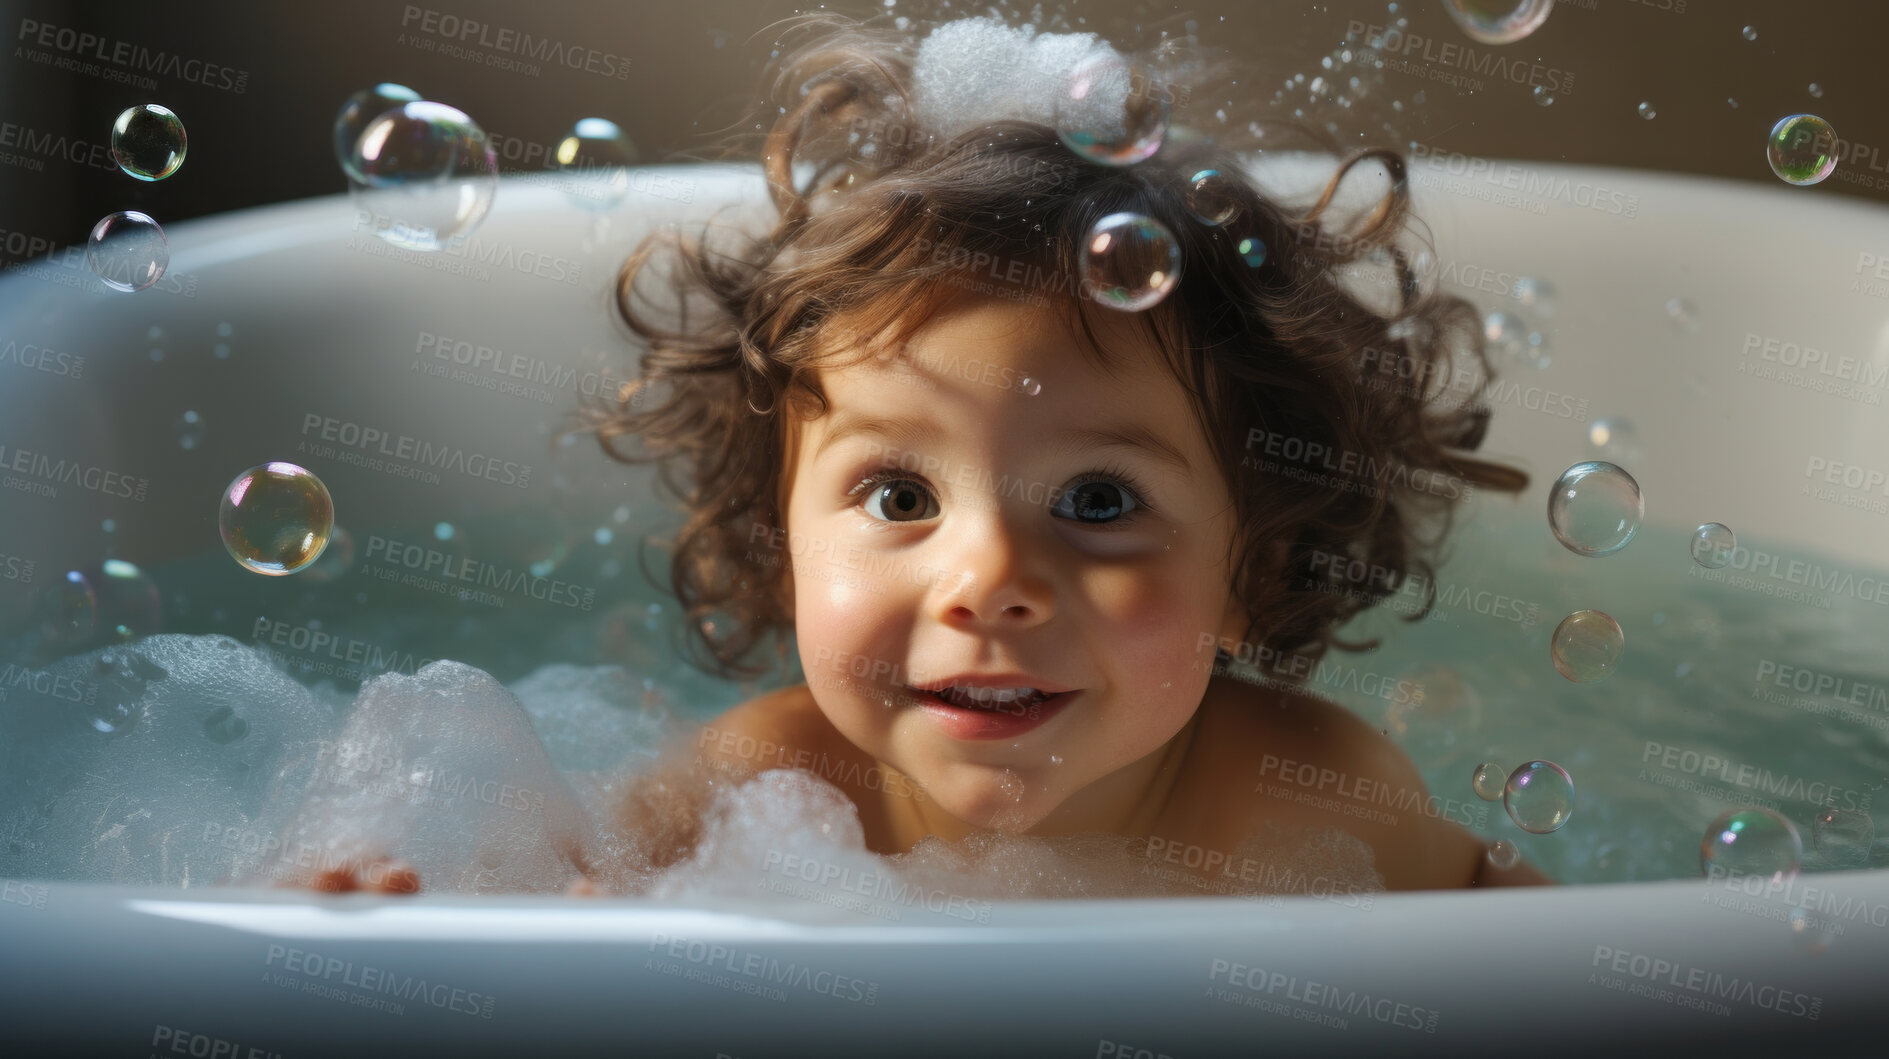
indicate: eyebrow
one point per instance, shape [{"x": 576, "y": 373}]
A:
[{"x": 911, "y": 430}]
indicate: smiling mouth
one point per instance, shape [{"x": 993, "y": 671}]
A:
[{"x": 1020, "y": 701}]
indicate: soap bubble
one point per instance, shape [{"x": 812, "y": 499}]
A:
[
  {"x": 1749, "y": 32},
  {"x": 1252, "y": 251},
  {"x": 1498, "y": 21},
  {"x": 1758, "y": 843},
  {"x": 1503, "y": 855},
  {"x": 1843, "y": 836},
  {"x": 1129, "y": 262},
  {"x": 362, "y": 107},
  {"x": 1543, "y": 97},
  {"x": 1802, "y": 149},
  {"x": 128, "y": 251},
  {"x": 148, "y": 142},
  {"x": 1586, "y": 646},
  {"x": 276, "y": 518},
  {"x": 1684, "y": 315},
  {"x": 1712, "y": 545},
  {"x": 1539, "y": 797},
  {"x": 1536, "y": 293},
  {"x": 1487, "y": 781},
  {"x": 1647, "y": 111},
  {"x": 1816, "y": 90},
  {"x": 1810, "y": 933},
  {"x": 429, "y": 175},
  {"x": 1614, "y": 439},
  {"x": 1507, "y": 335},
  {"x": 592, "y": 159},
  {"x": 1212, "y": 197},
  {"x": 129, "y": 605},
  {"x": 1595, "y": 508},
  {"x": 1111, "y": 112},
  {"x": 67, "y": 612},
  {"x": 189, "y": 430}
]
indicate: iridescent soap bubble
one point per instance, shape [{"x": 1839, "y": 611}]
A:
[
  {"x": 351, "y": 120},
  {"x": 1802, "y": 149},
  {"x": 148, "y": 142},
  {"x": 1543, "y": 97},
  {"x": 1212, "y": 197},
  {"x": 1129, "y": 262},
  {"x": 129, "y": 605},
  {"x": 1843, "y": 837},
  {"x": 1586, "y": 646},
  {"x": 1595, "y": 508},
  {"x": 128, "y": 251},
  {"x": 1749, "y": 33},
  {"x": 593, "y": 160},
  {"x": 67, "y": 612},
  {"x": 1539, "y": 797},
  {"x": 1503, "y": 855},
  {"x": 1816, "y": 90},
  {"x": 276, "y": 518},
  {"x": 1712, "y": 545},
  {"x": 1252, "y": 251},
  {"x": 1488, "y": 780},
  {"x": 1498, "y": 21},
  {"x": 1647, "y": 111},
  {"x": 428, "y": 175},
  {"x": 1110, "y": 112},
  {"x": 1752, "y": 843},
  {"x": 189, "y": 430}
]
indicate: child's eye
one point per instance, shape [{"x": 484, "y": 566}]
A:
[
  {"x": 900, "y": 499},
  {"x": 1099, "y": 500}
]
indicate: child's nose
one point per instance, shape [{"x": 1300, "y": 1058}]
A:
[{"x": 1000, "y": 578}]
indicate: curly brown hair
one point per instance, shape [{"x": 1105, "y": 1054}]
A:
[{"x": 881, "y": 221}]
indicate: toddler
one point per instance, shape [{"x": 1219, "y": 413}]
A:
[{"x": 1018, "y": 515}]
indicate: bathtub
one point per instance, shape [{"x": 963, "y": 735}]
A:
[{"x": 273, "y": 322}]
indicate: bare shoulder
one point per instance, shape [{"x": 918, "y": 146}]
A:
[
  {"x": 1309, "y": 762},
  {"x": 773, "y": 730}
]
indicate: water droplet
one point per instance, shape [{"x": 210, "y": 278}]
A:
[
  {"x": 1498, "y": 21},
  {"x": 1129, "y": 262},
  {"x": 1802, "y": 149},
  {"x": 1647, "y": 111},
  {"x": 1756, "y": 843},
  {"x": 1749, "y": 33},
  {"x": 1055, "y": 759},
  {"x": 1539, "y": 797},
  {"x": 1503, "y": 855},
  {"x": 1595, "y": 508},
  {"x": 276, "y": 518},
  {"x": 128, "y": 251},
  {"x": 1586, "y": 646},
  {"x": 1816, "y": 90},
  {"x": 1543, "y": 97},
  {"x": 1030, "y": 387},
  {"x": 1111, "y": 112},
  {"x": 1488, "y": 781},
  {"x": 1712, "y": 545},
  {"x": 1810, "y": 932},
  {"x": 148, "y": 141}
]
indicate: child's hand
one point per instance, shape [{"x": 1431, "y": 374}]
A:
[{"x": 381, "y": 875}]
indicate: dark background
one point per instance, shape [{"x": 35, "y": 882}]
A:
[{"x": 694, "y": 66}]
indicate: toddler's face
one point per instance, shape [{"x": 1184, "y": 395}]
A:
[{"x": 990, "y": 531}]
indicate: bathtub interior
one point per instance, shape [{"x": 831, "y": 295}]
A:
[{"x": 292, "y": 334}]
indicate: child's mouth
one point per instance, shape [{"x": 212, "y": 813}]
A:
[{"x": 989, "y": 713}]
